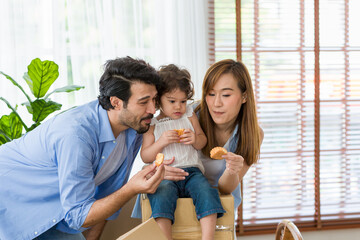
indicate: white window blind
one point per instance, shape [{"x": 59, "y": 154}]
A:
[{"x": 304, "y": 59}]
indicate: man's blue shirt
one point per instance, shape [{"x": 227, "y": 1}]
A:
[{"x": 47, "y": 176}]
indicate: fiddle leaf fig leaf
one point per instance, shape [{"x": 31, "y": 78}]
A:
[
  {"x": 29, "y": 81},
  {"x": 40, "y": 76},
  {"x": 42, "y": 109},
  {"x": 11, "y": 126},
  {"x": 69, "y": 88},
  {"x": 3, "y": 139},
  {"x": 28, "y": 107}
]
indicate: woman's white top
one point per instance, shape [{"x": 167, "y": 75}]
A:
[{"x": 185, "y": 155}]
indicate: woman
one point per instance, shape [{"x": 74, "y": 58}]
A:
[{"x": 227, "y": 114}]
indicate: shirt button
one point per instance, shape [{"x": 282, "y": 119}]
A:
[
  {"x": 54, "y": 220},
  {"x": 114, "y": 141},
  {"x": 35, "y": 233},
  {"x": 102, "y": 157}
]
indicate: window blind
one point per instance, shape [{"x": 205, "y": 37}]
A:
[{"x": 304, "y": 59}]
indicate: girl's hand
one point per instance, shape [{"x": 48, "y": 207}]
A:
[
  {"x": 188, "y": 137},
  {"x": 234, "y": 163},
  {"x": 169, "y": 137}
]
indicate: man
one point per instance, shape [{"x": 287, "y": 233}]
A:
[{"x": 71, "y": 173}]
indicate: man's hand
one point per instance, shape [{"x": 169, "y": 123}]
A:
[
  {"x": 148, "y": 179},
  {"x": 171, "y": 173},
  {"x": 105, "y": 207}
]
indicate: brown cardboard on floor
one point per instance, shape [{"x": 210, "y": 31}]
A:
[
  {"x": 186, "y": 225},
  {"x": 148, "y": 230}
]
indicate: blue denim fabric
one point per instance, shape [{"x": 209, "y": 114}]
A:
[
  {"x": 53, "y": 234},
  {"x": 205, "y": 198}
]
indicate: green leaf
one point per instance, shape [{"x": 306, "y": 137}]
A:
[
  {"x": 69, "y": 88},
  {"x": 40, "y": 76},
  {"x": 3, "y": 139},
  {"x": 16, "y": 84},
  {"x": 28, "y": 106},
  {"x": 11, "y": 126},
  {"x": 42, "y": 109},
  {"x": 14, "y": 111},
  {"x": 28, "y": 81}
]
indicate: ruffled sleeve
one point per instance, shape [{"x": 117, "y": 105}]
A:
[
  {"x": 189, "y": 111},
  {"x": 153, "y": 121}
]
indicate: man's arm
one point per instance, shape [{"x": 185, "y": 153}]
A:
[
  {"x": 107, "y": 206},
  {"x": 94, "y": 233}
]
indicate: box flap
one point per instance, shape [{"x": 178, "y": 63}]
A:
[{"x": 148, "y": 230}]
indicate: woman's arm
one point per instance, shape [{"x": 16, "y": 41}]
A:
[
  {"x": 230, "y": 179},
  {"x": 236, "y": 168}
]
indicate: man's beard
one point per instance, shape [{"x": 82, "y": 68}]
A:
[
  {"x": 142, "y": 129},
  {"x": 136, "y": 125}
]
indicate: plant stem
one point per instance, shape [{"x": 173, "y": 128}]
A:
[{"x": 16, "y": 84}]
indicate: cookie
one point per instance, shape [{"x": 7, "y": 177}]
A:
[
  {"x": 159, "y": 159},
  {"x": 179, "y": 131},
  {"x": 217, "y": 152}
]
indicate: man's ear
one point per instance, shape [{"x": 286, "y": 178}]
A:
[
  {"x": 244, "y": 97},
  {"x": 116, "y": 102}
]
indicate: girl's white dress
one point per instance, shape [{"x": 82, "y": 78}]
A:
[{"x": 185, "y": 155}]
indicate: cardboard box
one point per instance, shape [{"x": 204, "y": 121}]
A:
[
  {"x": 148, "y": 230},
  {"x": 186, "y": 225}
]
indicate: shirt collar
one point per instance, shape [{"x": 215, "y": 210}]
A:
[
  {"x": 130, "y": 136},
  {"x": 106, "y": 133},
  {"x": 235, "y": 130}
]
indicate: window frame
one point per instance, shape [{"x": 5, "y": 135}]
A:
[{"x": 319, "y": 220}]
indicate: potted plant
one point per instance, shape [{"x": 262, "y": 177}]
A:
[{"x": 39, "y": 77}]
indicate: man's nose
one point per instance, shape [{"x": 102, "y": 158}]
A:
[{"x": 151, "y": 108}]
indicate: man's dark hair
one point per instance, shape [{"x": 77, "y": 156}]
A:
[{"x": 120, "y": 74}]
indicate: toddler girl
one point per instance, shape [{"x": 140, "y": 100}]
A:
[{"x": 176, "y": 88}]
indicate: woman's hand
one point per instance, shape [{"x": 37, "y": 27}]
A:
[
  {"x": 234, "y": 163},
  {"x": 234, "y": 172},
  {"x": 188, "y": 137}
]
